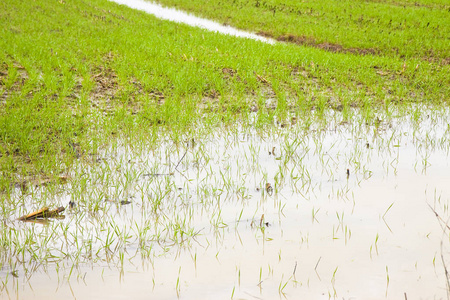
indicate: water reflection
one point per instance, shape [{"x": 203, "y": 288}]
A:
[
  {"x": 175, "y": 15},
  {"x": 249, "y": 211}
]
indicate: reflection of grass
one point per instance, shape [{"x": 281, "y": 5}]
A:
[
  {"x": 76, "y": 74},
  {"x": 189, "y": 198}
]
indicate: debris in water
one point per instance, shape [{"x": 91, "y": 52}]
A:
[
  {"x": 272, "y": 152},
  {"x": 269, "y": 189},
  {"x": 43, "y": 213},
  {"x": 121, "y": 202}
]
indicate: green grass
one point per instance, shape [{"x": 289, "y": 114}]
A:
[
  {"x": 75, "y": 74},
  {"x": 400, "y": 28}
]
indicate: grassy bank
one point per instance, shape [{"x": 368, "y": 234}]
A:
[
  {"x": 400, "y": 28},
  {"x": 75, "y": 73}
]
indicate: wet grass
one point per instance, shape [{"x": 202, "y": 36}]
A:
[
  {"x": 399, "y": 28},
  {"x": 83, "y": 73}
]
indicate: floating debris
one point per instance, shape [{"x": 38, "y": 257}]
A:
[
  {"x": 44, "y": 213},
  {"x": 272, "y": 152},
  {"x": 269, "y": 189},
  {"x": 262, "y": 222},
  {"x": 121, "y": 202},
  {"x": 72, "y": 204}
]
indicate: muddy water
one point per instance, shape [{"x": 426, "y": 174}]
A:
[
  {"x": 212, "y": 230},
  {"x": 178, "y": 16}
]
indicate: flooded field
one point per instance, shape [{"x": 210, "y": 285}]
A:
[{"x": 315, "y": 207}]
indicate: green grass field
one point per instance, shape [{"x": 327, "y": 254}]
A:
[
  {"x": 403, "y": 28},
  {"x": 74, "y": 74}
]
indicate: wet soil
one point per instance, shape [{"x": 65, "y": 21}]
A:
[{"x": 309, "y": 41}]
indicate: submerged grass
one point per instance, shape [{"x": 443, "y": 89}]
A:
[
  {"x": 176, "y": 200},
  {"x": 75, "y": 74}
]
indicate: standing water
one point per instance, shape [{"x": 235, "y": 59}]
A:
[
  {"x": 318, "y": 208},
  {"x": 175, "y": 15}
]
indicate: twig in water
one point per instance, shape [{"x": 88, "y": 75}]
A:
[
  {"x": 446, "y": 273},
  {"x": 439, "y": 217},
  {"x": 444, "y": 225},
  {"x": 168, "y": 174},
  {"x": 317, "y": 263},
  {"x": 181, "y": 159},
  {"x": 315, "y": 268}
]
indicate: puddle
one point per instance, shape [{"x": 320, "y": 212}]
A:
[
  {"x": 201, "y": 224},
  {"x": 178, "y": 16}
]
